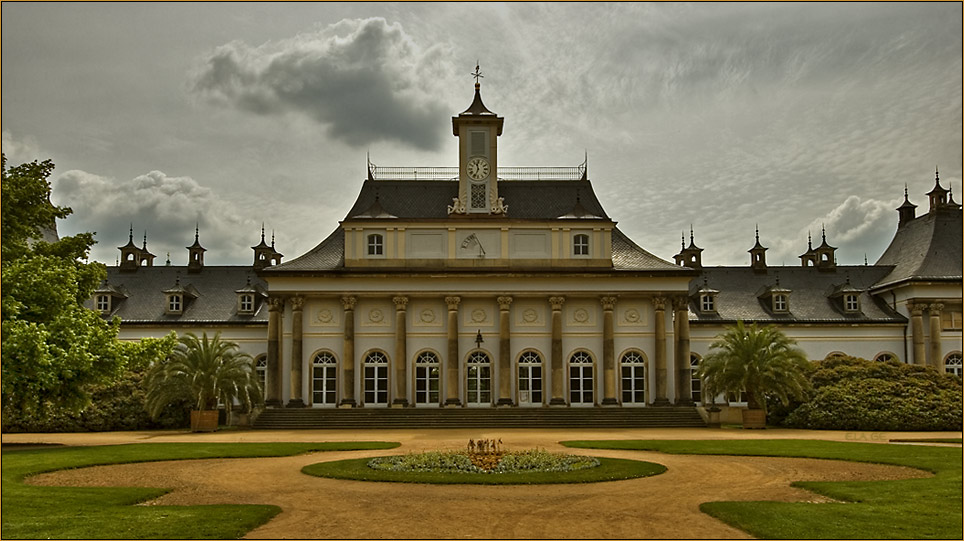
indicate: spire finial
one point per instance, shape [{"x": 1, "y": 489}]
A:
[
  {"x": 809, "y": 241},
  {"x": 823, "y": 233},
  {"x": 197, "y": 231},
  {"x": 691, "y": 233},
  {"x": 477, "y": 74},
  {"x": 937, "y": 175},
  {"x": 757, "y": 233},
  {"x": 145, "y": 240},
  {"x": 865, "y": 259},
  {"x": 682, "y": 240},
  {"x": 168, "y": 262},
  {"x": 131, "y": 237},
  {"x": 905, "y": 191},
  {"x": 262, "y": 231},
  {"x": 272, "y": 239}
]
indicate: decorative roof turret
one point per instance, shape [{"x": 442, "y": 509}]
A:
[
  {"x": 758, "y": 254},
  {"x": 130, "y": 254},
  {"x": 146, "y": 257},
  {"x": 264, "y": 255},
  {"x": 689, "y": 256},
  {"x": 907, "y": 211},
  {"x": 195, "y": 253},
  {"x": 825, "y": 253},
  {"x": 809, "y": 258},
  {"x": 938, "y": 196}
]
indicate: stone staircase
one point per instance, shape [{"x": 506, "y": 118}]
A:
[{"x": 368, "y": 418}]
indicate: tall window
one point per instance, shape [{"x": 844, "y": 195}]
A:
[
  {"x": 479, "y": 384},
  {"x": 174, "y": 303},
  {"x": 953, "y": 364},
  {"x": 580, "y": 378},
  {"x": 376, "y": 378},
  {"x": 427, "y": 378},
  {"x": 707, "y": 303},
  {"x": 530, "y": 378},
  {"x": 633, "y": 378},
  {"x": 780, "y": 303},
  {"x": 261, "y": 369},
  {"x": 850, "y": 303},
  {"x": 580, "y": 245},
  {"x": 103, "y": 303},
  {"x": 324, "y": 379},
  {"x": 376, "y": 244},
  {"x": 696, "y": 384}
]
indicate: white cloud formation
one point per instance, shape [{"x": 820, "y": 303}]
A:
[
  {"x": 18, "y": 151},
  {"x": 365, "y": 79},
  {"x": 166, "y": 207}
]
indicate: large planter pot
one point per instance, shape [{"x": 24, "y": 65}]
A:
[
  {"x": 754, "y": 418},
  {"x": 204, "y": 420}
]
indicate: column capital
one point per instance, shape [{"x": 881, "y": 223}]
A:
[
  {"x": 453, "y": 303},
  {"x": 275, "y": 303},
  {"x": 297, "y": 303},
  {"x": 504, "y": 302},
  {"x": 400, "y": 302},
  {"x": 659, "y": 303},
  {"x": 681, "y": 303},
  {"x": 917, "y": 309},
  {"x": 557, "y": 302},
  {"x": 936, "y": 307},
  {"x": 608, "y": 303},
  {"x": 348, "y": 302}
]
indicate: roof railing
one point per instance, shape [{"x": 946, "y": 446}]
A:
[{"x": 376, "y": 172}]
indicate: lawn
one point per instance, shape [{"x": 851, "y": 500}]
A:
[
  {"x": 927, "y": 508},
  {"x": 36, "y": 512},
  {"x": 609, "y": 469}
]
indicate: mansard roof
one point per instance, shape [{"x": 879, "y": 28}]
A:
[
  {"x": 812, "y": 301},
  {"x": 216, "y": 300},
  {"x": 925, "y": 249}
]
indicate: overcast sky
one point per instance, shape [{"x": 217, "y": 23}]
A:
[{"x": 719, "y": 115}]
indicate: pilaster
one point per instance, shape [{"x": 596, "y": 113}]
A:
[
  {"x": 348, "y": 354},
  {"x": 555, "y": 358},
  {"x": 401, "y": 353},
  {"x": 452, "y": 372},
  {"x": 609, "y": 355},
  {"x": 505, "y": 352}
]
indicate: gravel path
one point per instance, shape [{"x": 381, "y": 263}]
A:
[{"x": 664, "y": 506}]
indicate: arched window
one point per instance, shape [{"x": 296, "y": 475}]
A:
[
  {"x": 953, "y": 364},
  {"x": 580, "y": 244},
  {"x": 632, "y": 371},
  {"x": 835, "y": 355},
  {"x": 427, "y": 378},
  {"x": 261, "y": 369},
  {"x": 324, "y": 379},
  {"x": 580, "y": 379},
  {"x": 530, "y": 378},
  {"x": 885, "y": 356},
  {"x": 376, "y": 244},
  {"x": 376, "y": 378},
  {"x": 479, "y": 384},
  {"x": 696, "y": 384}
]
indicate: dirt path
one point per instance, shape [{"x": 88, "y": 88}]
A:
[{"x": 664, "y": 506}]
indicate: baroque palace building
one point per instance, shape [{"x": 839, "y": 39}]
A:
[{"x": 484, "y": 286}]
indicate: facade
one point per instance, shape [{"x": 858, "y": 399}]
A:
[{"x": 486, "y": 286}]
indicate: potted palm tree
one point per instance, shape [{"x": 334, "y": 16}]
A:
[
  {"x": 760, "y": 361},
  {"x": 207, "y": 371}
]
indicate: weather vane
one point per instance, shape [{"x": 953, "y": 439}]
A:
[{"x": 478, "y": 74}]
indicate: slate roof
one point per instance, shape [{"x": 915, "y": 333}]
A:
[
  {"x": 927, "y": 248},
  {"x": 812, "y": 299},
  {"x": 215, "y": 287},
  {"x": 428, "y": 200}
]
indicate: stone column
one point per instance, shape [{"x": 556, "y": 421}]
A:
[
  {"x": 401, "y": 353},
  {"x": 452, "y": 371},
  {"x": 505, "y": 353},
  {"x": 917, "y": 332},
  {"x": 609, "y": 354},
  {"x": 297, "y": 350},
  {"x": 684, "y": 373},
  {"x": 348, "y": 355},
  {"x": 555, "y": 357},
  {"x": 273, "y": 391},
  {"x": 936, "y": 353},
  {"x": 659, "y": 307}
]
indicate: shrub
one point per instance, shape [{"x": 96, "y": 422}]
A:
[{"x": 856, "y": 394}]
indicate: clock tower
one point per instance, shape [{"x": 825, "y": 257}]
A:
[{"x": 478, "y": 130}]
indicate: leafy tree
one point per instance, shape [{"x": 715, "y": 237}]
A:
[
  {"x": 763, "y": 362},
  {"x": 205, "y": 371},
  {"x": 54, "y": 349}
]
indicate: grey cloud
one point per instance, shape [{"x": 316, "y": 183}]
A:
[{"x": 365, "y": 80}]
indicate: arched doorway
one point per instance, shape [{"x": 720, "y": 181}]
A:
[
  {"x": 530, "y": 379},
  {"x": 580, "y": 379},
  {"x": 478, "y": 388},
  {"x": 376, "y": 379},
  {"x": 632, "y": 371},
  {"x": 427, "y": 370},
  {"x": 324, "y": 380}
]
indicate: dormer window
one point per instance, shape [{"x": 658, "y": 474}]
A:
[
  {"x": 851, "y": 303},
  {"x": 780, "y": 303},
  {"x": 102, "y": 303},
  {"x": 175, "y": 302},
  {"x": 707, "y": 303},
  {"x": 376, "y": 244},
  {"x": 580, "y": 245},
  {"x": 246, "y": 303}
]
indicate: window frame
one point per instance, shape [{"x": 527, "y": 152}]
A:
[
  {"x": 707, "y": 303},
  {"x": 102, "y": 302},
  {"x": 246, "y": 298},
  {"x": 851, "y": 303},
  {"x": 581, "y": 245},
  {"x": 781, "y": 302},
  {"x": 376, "y": 245},
  {"x": 175, "y": 303}
]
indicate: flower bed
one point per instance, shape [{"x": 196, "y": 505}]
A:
[{"x": 532, "y": 460}]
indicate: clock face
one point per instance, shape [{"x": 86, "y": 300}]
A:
[{"x": 477, "y": 168}]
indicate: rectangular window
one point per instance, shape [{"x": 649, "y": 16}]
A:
[
  {"x": 707, "y": 303},
  {"x": 103, "y": 303},
  {"x": 376, "y": 245},
  {"x": 779, "y": 303},
  {"x": 174, "y": 304},
  {"x": 477, "y": 143},
  {"x": 247, "y": 303},
  {"x": 580, "y": 245},
  {"x": 951, "y": 318},
  {"x": 850, "y": 303}
]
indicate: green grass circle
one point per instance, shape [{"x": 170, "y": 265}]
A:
[{"x": 609, "y": 469}]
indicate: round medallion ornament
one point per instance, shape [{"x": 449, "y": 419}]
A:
[
  {"x": 478, "y": 315},
  {"x": 324, "y": 316},
  {"x": 427, "y": 315},
  {"x": 375, "y": 315},
  {"x": 529, "y": 315},
  {"x": 581, "y": 315},
  {"x": 632, "y": 315}
]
